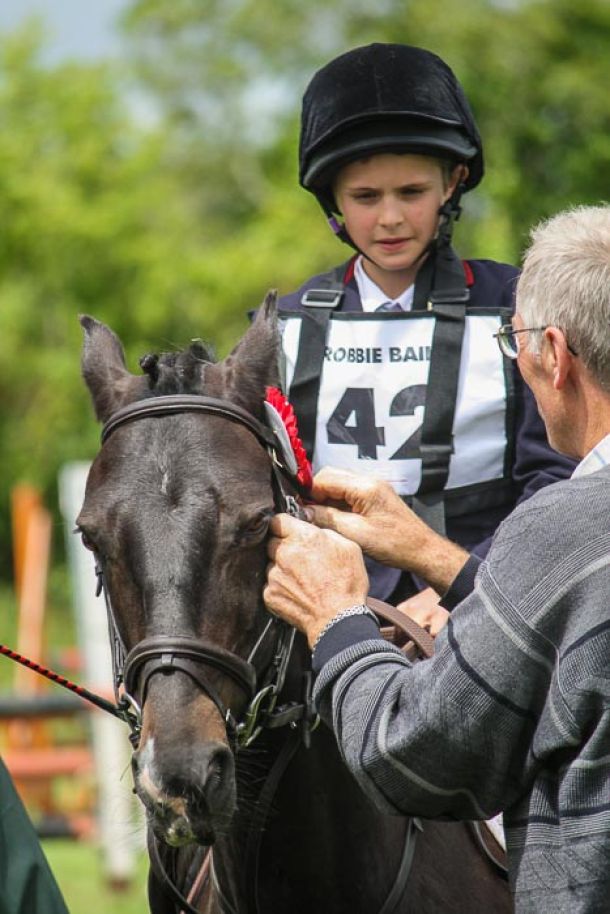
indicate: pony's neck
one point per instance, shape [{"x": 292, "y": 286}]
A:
[{"x": 292, "y": 834}]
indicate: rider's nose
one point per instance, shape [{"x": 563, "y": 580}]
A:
[{"x": 391, "y": 213}]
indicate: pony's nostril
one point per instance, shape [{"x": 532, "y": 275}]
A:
[{"x": 220, "y": 765}]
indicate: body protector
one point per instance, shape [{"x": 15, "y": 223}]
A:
[{"x": 422, "y": 398}]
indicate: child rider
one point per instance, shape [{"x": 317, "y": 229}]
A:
[{"x": 390, "y": 359}]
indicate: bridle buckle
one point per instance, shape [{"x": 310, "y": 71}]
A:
[{"x": 249, "y": 728}]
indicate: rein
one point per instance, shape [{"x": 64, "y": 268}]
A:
[{"x": 121, "y": 709}]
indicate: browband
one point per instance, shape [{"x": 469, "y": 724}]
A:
[{"x": 168, "y": 404}]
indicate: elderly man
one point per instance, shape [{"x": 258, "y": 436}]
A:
[{"x": 513, "y": 711}]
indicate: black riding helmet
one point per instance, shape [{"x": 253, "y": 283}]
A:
[{"x": 383, "y": 98}]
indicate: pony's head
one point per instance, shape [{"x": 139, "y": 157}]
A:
[{"x": 176, "y": 510}]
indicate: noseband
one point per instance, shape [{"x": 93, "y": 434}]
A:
[{"x": 259, "y": 681}]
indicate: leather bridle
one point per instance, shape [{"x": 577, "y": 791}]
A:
[{"x": 260, "y": 683}]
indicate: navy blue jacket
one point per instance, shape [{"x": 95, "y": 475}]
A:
[{"x": 534, "y": 463}]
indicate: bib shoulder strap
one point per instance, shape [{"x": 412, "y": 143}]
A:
[
  {"x": 318, "y": 305},
  {"x": 329, "y": 290},
  {"x": 447, "y": 299}
]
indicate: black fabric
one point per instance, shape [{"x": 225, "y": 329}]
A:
[
  {"x": 447, "y": 301},
  {"x": 423, "y": 285},
  {"x": 27, "y": 885},
  {"x": 305, "y": 387},
  {"x": 342, "y": 635},
  {"x": 462, "y": 585},
  {"x": 365, "y": 100}
]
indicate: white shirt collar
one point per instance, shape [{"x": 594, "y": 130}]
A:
[
  {"x": 597, "y": 458},
  {"x": 371, "y": 295}
]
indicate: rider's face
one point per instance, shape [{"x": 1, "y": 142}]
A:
[{"x": 390, "y": 205}]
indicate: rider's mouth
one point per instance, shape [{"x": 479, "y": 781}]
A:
[{"x": 392, "y": 244}]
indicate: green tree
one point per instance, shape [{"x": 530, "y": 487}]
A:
[
  {"x": 97, "y": 219},
  {"x": 535, "y": 71}
]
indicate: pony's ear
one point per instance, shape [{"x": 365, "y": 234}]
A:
[
  {"x": 254, "y": 363},
  {"x": 104, "y": 370}
]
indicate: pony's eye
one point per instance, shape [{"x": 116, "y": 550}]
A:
[
  {"x": 256, "y": 528},
  {"x": 259, "y": 525},
  {"x": 86, "y": 539}
]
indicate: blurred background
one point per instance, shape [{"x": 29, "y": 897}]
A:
[{"x": 148, "y": 177}]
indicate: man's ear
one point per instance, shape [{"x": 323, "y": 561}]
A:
[{"x": 556, "y": 357}]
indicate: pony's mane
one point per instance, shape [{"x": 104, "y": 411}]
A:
[{"x": 177, "y": 372}]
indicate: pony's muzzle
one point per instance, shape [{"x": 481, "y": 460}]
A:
[{"x": 189, "y": 795}]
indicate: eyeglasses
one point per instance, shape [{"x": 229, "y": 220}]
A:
[{"x": 508, "y": 340}]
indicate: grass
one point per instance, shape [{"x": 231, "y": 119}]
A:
[{"x": 77, "y": 867}]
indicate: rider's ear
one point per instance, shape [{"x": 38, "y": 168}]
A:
[
  {"x": 254, "y": 363},
  {"x": 104, "y": 370}
]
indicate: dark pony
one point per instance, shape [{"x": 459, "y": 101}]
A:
[{"x": 176, "y": 510}]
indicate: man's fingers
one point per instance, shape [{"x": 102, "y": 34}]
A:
[
  {"x": 335, "y": 485},
  {"x": 326, "y": 517},
  {"x": 289, "y": 531},
  {"x": 283, "y": 525},
  {"x": 272, "y": 547}
]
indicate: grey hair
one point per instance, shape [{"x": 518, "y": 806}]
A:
[{"x": 566, "y": 283}]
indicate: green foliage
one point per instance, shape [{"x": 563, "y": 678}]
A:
[{"x": 96, "y": 219}]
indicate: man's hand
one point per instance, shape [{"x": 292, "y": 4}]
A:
[
  {"x": 369, "y": 512},
  {"x": 315, "y": 574},
  {"x": 361, "y": 508},
  {"x": 423, "y": 608}
]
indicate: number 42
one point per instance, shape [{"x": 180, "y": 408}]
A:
[{"x": 360, "y": 401}]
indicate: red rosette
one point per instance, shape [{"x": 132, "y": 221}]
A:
[{"x": 276, "y": 398}]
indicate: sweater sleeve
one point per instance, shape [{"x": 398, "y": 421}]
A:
[
  {"x": 397, "y": 723},
  {"x": 463, "y": 585}
]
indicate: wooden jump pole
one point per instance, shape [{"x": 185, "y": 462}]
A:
[{"x": 32, "y": 547}]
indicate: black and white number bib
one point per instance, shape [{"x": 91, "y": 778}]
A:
[{"x": 372, "y": 393}]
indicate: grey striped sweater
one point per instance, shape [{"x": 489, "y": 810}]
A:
[{"x": 512, "y": 713}]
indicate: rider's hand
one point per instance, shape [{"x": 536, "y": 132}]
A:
[
  {"x": 313, "y": 576},
  {"x": 369, "y": 512},
  {"x": 423, "y": 608}
]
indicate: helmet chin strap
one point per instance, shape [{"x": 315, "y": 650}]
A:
[
  {"x": 338, "y": 229},
  {"x": 449, "y": 213}
]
